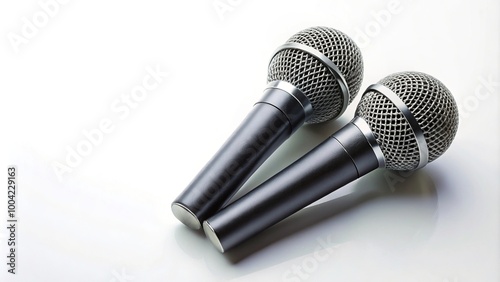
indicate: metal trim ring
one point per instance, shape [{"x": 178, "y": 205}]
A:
[
  {"x": 361, "y": 124},
  {"x": 296, "y": 93},
  {"x": 334, "y": 70},
  {"x": 415, "y": 127}
]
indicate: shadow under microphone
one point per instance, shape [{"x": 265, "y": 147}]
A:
[
  {"x": 312, "y": 78},
  {"x": 403, "y": 122}
]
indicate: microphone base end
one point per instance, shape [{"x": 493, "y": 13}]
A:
[
  {"x": 212, "y": 236},
  {"x": 186, "y": 216}
]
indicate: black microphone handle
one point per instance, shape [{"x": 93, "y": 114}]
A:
[
  {"x": 340, "y": 159},
  {"x": 272, "y": 120}
]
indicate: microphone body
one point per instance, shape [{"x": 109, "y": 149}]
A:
[
  {"x": 312, "y": 78},
  {"x": 343, "y": 157},
  {"x": 272, "y": 120}
]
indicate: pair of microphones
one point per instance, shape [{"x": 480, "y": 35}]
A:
[{"x": 403, "y": 122}]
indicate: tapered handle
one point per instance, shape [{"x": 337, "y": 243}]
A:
[{"x": 272, "y": 120}]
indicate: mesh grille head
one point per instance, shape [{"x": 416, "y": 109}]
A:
[
  {"x": 312, "y": 77},
  {"x": 432, "y": 105}
]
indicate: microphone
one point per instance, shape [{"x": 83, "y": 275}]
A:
[
  {"x": 403, "y": 122},
  {"x": 311, "y": 79}
]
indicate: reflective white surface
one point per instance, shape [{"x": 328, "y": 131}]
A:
[{"x": 108, "y": 218}]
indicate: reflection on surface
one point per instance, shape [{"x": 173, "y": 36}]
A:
[{"x": 371, "y": 212}]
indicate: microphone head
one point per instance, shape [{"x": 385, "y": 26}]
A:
[
  {"x": 431, "y": 104},
  {"x": 313, "y": 77}
]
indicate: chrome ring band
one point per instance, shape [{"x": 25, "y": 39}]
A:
[
  {"x": 368, "y": 133},
  {"x": 295, "y": 93},
  {"x": 334, "y": 70}
]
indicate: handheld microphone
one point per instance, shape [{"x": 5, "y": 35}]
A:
[
  {"x": 312, "y": 78},
  {"x": 403, "y": 122}
]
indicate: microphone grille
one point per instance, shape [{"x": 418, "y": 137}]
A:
[
  {"x": 312, "y": 77},
  {"x": 432, "y": 105}
]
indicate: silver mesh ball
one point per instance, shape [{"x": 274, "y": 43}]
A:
[
  {"x": 312, "y": 77},
  {"x": 432, "y": 105}
]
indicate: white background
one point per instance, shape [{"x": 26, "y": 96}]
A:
[{"x": 108, "y": 218}]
